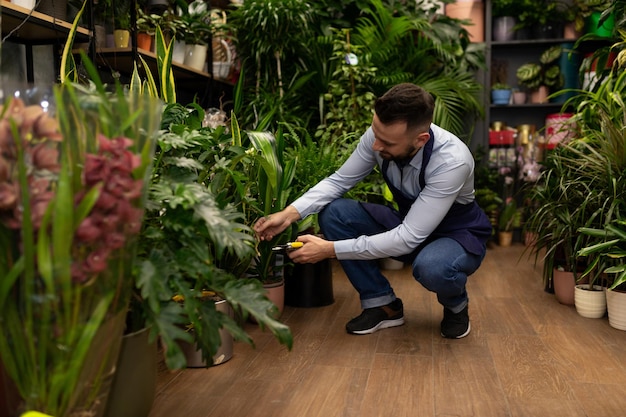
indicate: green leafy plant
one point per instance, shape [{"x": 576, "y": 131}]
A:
[
  {"x": 78, "y": 169},
  {"x": 274, "y": 175},
  {"x": 547, "y": 72},
  {"x": 189, "y": 236},
  {"x": 196, "y": 22},
  {"x": 609, "y": 255},
  {"x": 584, "y": 183},
  {"x": 510, "y": 217}
]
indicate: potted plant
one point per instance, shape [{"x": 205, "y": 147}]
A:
[
  {"x": 274, "y": 170},
  {"x": 121, "y": 22},
  {"x": 544, "y": 18},
  {"x": 594, "y": 16},
  {"x": 509, "y": 219},
  {"x": 504, "y": 13},
  {"x": 146, "y": 28},
  {"x": 74, "y": 239},
  {"x": 501, "y": 94},
  {"x": 197, "y": 25},
  {"x": 544, "y": 77},
  {"x": 608, "y": 257}
]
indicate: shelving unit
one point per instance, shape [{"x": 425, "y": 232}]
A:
[
  {"x": 505, "y": 157},
  {"x": 189, "y": 81},
  {"x": 29, "y": 27}
]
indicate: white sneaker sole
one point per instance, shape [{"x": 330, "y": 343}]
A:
[
  {"x": 385, "y": 324},
  {"x": 469, "y": 327}
]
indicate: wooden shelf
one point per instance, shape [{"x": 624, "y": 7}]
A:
[
  {"x": 122, "y": 59},
  {"x": 32, "y": 27}
]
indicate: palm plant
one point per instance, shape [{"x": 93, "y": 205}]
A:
[
  {"x": 412, "y": 48},
  {"x": 273, "y": 28},
  {"x": 609, "y": 255}
]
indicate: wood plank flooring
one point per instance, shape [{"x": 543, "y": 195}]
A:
[{"x": 527, "y": 356}]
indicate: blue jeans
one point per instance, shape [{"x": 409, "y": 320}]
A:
[{"x": 442, "y": 266}]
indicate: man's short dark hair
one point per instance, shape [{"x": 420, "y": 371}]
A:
[{"x": 408, "y": 103}]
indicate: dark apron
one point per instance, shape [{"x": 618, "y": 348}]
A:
[{"x": 466, "y": 223}]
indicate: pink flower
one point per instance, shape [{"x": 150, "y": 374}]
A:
[
  {"x": 114, "y": 240},
  {"x": 106, "y": 201},
  {"x": 39, "y": 204},
  {"x": 45, "y": 156},
  {"x": 88, "y": 230},
  {"x": 97, "y": 261},
  {"x": 126, "y": 162},
  {"x": 96, "y": 169},
  {"x": 8, "y": 196},
  {"x": 79, "y": 275},
  {"x": 124, "y": 186},
  {"x": 110, "y": 222}
]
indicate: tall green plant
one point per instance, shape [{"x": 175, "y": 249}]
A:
[
  {"x": 274, "y": 176},
  {"x": 584, "y": 185},
  {"x": 412, "y": 48}
]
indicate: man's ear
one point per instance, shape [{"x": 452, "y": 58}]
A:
[{"x": 422, "y": 138}]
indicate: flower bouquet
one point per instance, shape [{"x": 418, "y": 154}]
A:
[{"x": 73, "y": 169}]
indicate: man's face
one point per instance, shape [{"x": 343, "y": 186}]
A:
[{"x": 394, "y": 142}]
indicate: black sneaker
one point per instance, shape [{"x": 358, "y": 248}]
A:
[
  {"x": 376, "y": 318},
  {"x": 455, "y": 325}
]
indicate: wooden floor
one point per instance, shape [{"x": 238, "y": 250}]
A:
[{"x": 527, "y": 355}]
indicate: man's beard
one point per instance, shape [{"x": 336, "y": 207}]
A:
[{"x": 403, "y": 158}]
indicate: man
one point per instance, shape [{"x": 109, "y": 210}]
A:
[{"x": 438, "y": 228}]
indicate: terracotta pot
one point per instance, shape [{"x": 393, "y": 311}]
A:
[
  {"x": 276, "y": 293},
  {"x": 144, "y": 41},
  {"x": 472, "y": 10},
  {"x": 564, "y": 285},
  {"x": 540, "y": 95},
  {"x": 519, "y": 97}
]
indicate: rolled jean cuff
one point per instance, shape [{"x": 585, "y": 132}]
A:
[{"x": 377, "y": 301}]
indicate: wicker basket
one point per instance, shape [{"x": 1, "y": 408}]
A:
[{"x": 222, "y": 58}]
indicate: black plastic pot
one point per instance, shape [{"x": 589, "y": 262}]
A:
[{"x": 310, "y": 285}]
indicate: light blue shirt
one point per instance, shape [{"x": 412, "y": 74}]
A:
[{"x": 449, "y": 178}]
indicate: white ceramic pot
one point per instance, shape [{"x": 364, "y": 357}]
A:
[
  {"x": 195, "y": 56},
  {"x": 590, "y": 304},
  {"x": 178, "y": 54},
  {"x": 27, "y": 4},
  {"x": 616, "y": 305}
]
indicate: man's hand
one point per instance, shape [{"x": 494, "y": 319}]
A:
[
  {"x": 269, "y": 226},
  {"x": 314, "y": 250}
]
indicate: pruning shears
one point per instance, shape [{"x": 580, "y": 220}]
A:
[{"x": 288, "y": 246}]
